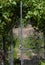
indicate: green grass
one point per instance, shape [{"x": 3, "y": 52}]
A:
[{"x": 42, "y": 63}]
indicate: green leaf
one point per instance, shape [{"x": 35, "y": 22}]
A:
[
  {"x": 14, "y": 3},
  {"x": 0, "y": 7},
  {"x": 5, "y": 17},
  {"x": 35, "y": 13},
  {"x": 10, "y": 1}
]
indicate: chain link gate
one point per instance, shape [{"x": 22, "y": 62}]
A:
[{"x": 36, "y": 59}]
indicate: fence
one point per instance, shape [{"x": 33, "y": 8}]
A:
[{"x": 30, "y": 51}]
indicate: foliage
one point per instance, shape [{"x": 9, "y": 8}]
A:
[
  {"x": 42, "y": 63},
  {"x": 36, "y": 14},
  {"x": 6, "y": 15},
  {"x": 10, "y": 14},
  {"x": 34, "y": 42},
  {"x": 33, "y": 10}
]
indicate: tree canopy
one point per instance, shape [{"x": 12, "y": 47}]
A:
[
  {"x": 36, "y": 14},
  {"x": 10, "y": 14},
  {"x": 33, "y": 10}
]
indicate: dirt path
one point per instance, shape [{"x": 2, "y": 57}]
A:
[{"x": 26, "y": 31}]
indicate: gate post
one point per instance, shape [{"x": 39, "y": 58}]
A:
[
  {"x": 11, "y": 47},
  {"x": 21, "y": 27}
]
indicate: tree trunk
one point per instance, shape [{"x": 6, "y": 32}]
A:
[
  {"x": 4, "y": 49},
  {"x": 44, "y": 44}
]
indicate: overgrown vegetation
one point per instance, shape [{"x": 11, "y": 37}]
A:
[{"x": 33, "y": 11}]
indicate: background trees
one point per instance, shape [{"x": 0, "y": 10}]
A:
[
  {"x": 33, "y": 10},
  {"x": 36, "y": 15},
  {"x": 10, "y": 14}
]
